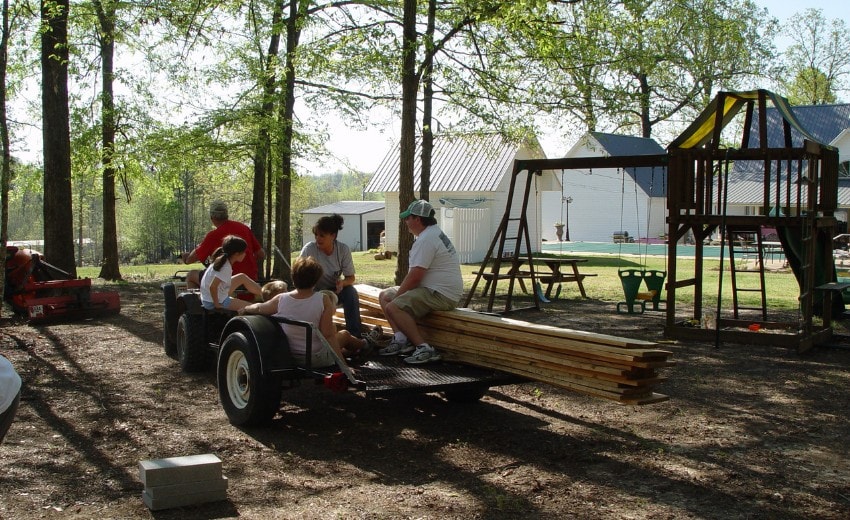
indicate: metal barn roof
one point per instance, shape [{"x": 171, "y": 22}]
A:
[
  {"x": 653, "y": 181},
  {"x": 460, "y": 163},
  {"x": 347, "y": 207}
]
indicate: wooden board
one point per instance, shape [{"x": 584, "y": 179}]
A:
[{"x": 602, "y": 365}]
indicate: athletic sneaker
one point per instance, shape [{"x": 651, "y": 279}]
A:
[
  {"x": 397, "y": 348},
  {"x": 423, "y": 354}
]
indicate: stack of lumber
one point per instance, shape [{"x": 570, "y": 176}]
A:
[{"x": 621, "y": 369}]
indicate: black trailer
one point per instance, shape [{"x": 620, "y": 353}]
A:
[{"x": 254, "y": 365}]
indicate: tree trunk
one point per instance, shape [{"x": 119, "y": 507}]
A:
[
  {"x": 409, "y": 88},
  {"x": 284, "y": 188},
  {"x": 428, "y": 103},
  {"x": 58, "y": 216},
  {"x": 261, "y": 155},
  {"x": 6, "y": 167},
  {"x": 109, "y": 269}
]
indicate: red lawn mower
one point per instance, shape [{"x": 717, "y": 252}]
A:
[{"x": 43, "y": 292}]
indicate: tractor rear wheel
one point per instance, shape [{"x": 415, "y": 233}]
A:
[
  {"x": 192, "y": 352},
  {"x": 248, "y": 396}
]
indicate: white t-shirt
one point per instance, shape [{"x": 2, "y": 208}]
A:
[
  {"x": 433, "y": 250},
  {"x": 225, "y": 275},
  {"x": 10, "y": 384}
]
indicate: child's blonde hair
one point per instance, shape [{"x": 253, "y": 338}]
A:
[{"x": 273, "y": 288}]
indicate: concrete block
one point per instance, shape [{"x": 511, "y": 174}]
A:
[
  {"x": 187, "y": 488},
  {"x": 191, "y": 499},
  {"x": 176, "y": 470}
]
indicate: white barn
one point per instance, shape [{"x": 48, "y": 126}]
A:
[
  {"x": 470, "y": 179},
  {"x": 595, "y": 204},
  {"x": 363, "y": 222}
]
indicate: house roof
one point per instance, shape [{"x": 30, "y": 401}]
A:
[
  {"x": 824, "y": 123},
  {"x": 460, "y": 162},
  {"x": 347, "y": 207},
  {"x": 725, "y": 106},
  {"x": 653, "y": 181}
]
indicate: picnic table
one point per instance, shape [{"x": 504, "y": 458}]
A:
[
  {"x": 556, "y": 273},
  {"x": 557, "y": 276}
]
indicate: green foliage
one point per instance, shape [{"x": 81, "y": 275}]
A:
[{"x": 817, "y": 65}]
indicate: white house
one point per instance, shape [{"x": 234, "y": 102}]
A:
[
  {"x": 470, "y": 179},
  {"x": 362, "y": 227},
  {"x": 597, "y": 203}
]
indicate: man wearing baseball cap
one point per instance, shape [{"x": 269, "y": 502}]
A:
[
  {"x": 433, "y": 283},
  {"x": 212, "y": 241}
]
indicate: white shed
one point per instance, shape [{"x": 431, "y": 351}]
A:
[
  {"x": 596, "y": 203},
  {"x": 470, "y": 179},
  {"x": 361, "y": 231}
]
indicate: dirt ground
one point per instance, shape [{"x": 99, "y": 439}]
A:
[{"x": 749, "y": 432}]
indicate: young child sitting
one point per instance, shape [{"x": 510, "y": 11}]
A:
[
  {"x": 273, "y": 288},
  {"x": 219, "y": 283}
]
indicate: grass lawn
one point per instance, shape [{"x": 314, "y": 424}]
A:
[{"x": 781, "y": 286}]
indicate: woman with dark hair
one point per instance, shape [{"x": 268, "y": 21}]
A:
[
  {"x": 338, "y": 267},
  {"x": 219, "y": 282}
]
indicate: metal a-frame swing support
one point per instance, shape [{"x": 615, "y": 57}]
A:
[{"x": 800, "y": 196}]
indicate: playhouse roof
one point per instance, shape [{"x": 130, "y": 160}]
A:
[{"x": 460, "y": 163}]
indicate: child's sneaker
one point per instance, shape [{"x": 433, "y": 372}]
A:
[
  {"x": 396, "y": 348},
  {"x": 423, "y": 354}
]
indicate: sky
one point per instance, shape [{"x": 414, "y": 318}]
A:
[{"x": 363, "y": 150}]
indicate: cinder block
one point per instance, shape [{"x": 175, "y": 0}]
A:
[
  {"x": 191, "y": 499},
  {"x": 187, "y": 488},
  {"x": 177, "y": 470}
]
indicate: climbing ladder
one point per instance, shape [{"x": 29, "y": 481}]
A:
[
  {"x": 745, "y": 238},
  {"x": 512, "y": 231}
]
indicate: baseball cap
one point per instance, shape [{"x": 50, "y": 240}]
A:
[
  {"x": 420, "y": 208},
  {"x": 218, "y": 210}
]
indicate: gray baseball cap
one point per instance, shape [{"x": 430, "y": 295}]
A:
[{"x": 218, "y": 210}]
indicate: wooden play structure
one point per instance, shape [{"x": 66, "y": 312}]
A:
[
  {"x": 800, "y": 181},
  {"x": 800, "y": 190}
]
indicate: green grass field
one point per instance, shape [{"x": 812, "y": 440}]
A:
[{"x": 782, "y": 288}]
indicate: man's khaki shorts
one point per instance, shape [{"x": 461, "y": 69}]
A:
[{"x": 420, "y": 301}]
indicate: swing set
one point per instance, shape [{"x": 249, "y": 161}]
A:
[{"x": 636, "y": 302}]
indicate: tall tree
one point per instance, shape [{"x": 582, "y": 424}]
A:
[
  {"x": 409, "y": 90},
  {"x": 818, "y": 62},
  {"x": 5, "y": 142},
  {"x": 105, "y": 9},
  {"x": 58, "y": 214}
]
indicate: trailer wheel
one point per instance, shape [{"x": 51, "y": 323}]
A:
[
  {"x": 249, "y": 398},
  {"x": 169, "y": 320},
  {"x": 465, "y": 395},
  {"x": 192, "y": 353}
]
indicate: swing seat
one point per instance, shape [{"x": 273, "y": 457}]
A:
[
  {"x": 654, "y": 280},
  {"x": 631, "y": 280}
]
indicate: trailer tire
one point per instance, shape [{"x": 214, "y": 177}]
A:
[
  {"x": 169, "y": 320},
  {"x": 249, "y": 397},
  {"x": 192, "y": 352},
  {"x": 465, "y": 395}
]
